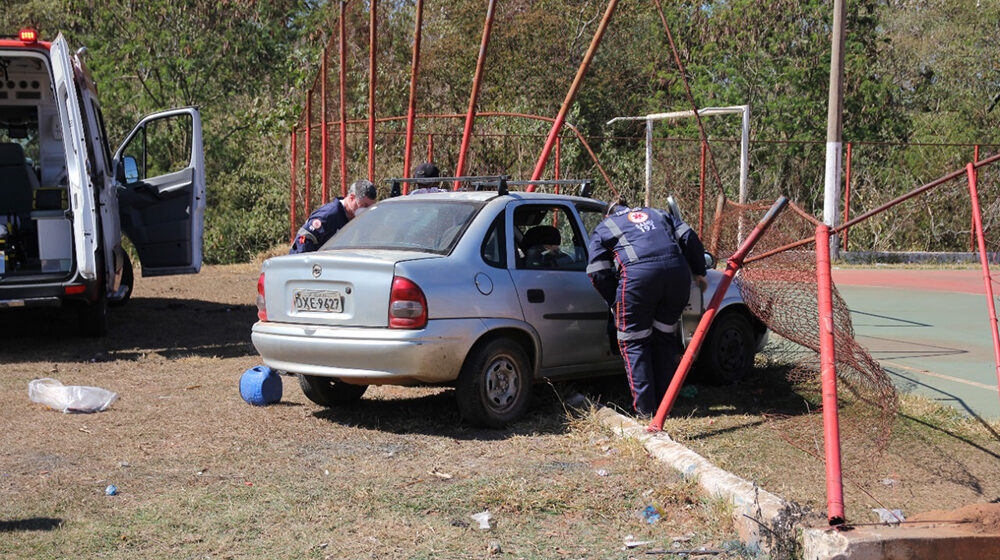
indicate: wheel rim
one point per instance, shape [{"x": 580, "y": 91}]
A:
[
  {"x": 502, "y": 385},
  {"x": 732, "y": 355}
]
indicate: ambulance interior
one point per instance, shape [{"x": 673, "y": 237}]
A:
[{"x": 36, "y": 239}]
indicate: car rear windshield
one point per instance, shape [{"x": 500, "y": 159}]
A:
[{"x": 433, "y": 226}]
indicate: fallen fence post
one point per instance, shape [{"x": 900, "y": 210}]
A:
[{"x": 732, "y": 266}]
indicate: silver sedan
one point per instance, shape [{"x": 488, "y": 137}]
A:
[{"x": 452, "y": 288}]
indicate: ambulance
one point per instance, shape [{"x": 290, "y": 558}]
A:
[{"x": 66, "y": 198}]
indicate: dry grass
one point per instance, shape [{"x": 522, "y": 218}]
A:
[
  {"x": 771, "y": 432},
  {"x": 201, "y": 474}
]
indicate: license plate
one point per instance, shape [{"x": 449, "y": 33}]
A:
[{"x": 325, "y": 301}]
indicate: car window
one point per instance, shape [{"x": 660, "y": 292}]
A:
[
  {"x": 413, "y": 225},
  {"x": 591, "y": 217},
  {"x": 494, "y": 249},
  {"x": 161, "y": 146},
  {"x": 546, "y": 237}
]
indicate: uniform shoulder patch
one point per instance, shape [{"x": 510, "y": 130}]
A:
[
  {"x": 315, "y": 224},
  {"x": 637, "y": 217}
]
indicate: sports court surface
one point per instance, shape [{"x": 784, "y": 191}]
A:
[{"x": 930, "y": 330}]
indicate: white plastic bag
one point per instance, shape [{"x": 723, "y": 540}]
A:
[{"x": 70, "y": 398}]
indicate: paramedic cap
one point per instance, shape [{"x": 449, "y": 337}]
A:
[{"x": 425, "y": 170}]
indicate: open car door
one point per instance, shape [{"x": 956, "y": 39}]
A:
[
  {"x": 160, "y": 176},
  {"x": 81, "y": 195}
]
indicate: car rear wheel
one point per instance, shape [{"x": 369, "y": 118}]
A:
[
  {"x": 327, "y": 391},
  {"x": 494, "y": 387},
  {"x": 727, "y": 354}
]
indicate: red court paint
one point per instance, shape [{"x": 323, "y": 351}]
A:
[{"x": 963, "y": 281}]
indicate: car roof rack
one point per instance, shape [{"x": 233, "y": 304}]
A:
[
  {"x": 485, "y": 182},
  {"x": 474, "y": 180},
  {"x": 585, "y": 190}
]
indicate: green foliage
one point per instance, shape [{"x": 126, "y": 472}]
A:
[{"x": 914, "y": 71}]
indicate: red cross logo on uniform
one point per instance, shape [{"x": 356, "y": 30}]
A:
[{"x": 637, "y": 217}]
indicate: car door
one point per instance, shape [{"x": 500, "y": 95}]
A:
[
  {"x": 160, "y": 176},
  {"x": 81, "y": 195},
  {"x": 556, "y": 295}
]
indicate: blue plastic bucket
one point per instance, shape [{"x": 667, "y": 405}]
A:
[{"x": 260, "y": 385}]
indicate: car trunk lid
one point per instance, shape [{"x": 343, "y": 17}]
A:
[{"x": 333, "y": 288}]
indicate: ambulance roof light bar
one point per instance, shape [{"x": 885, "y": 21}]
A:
[{"x": 28, "y": 35}]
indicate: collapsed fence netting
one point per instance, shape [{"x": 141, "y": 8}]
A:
[{"x": 779, "y": 284}]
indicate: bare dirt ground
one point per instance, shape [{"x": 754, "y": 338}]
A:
[{"x": 202, "y": 474}]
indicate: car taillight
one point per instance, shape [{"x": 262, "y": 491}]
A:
[
  {"x": 407, "y": 305},
  {"x": 261, "y": 304}
]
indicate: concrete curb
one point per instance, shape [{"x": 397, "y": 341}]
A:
[
  {"x": 767, "y": 523},
  {"x": 754, "y": 509}
]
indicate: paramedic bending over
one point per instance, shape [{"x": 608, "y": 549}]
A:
[
  {"x": 641, "y": 261},
  {"x": 329, "y": 218}
]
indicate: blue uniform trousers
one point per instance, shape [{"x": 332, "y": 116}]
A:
[{"x": 650, "y": 297}]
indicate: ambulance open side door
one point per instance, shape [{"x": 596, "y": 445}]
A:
[{"x": 160, "y": 178}]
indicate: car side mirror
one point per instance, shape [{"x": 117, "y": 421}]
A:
[
  {"x": 130, "y": 170},
  {"x": 709, "y": 261}
]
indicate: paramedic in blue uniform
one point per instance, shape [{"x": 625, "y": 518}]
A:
[
  {"x": 329, "y": 218},
  {"x": 641, "y": 262}
]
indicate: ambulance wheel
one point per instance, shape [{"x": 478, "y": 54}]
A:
[
  {"x": 93, "y": 316},
  {"x": 494, "y": 386},
  {"x": 728, "y": 351},
  {"x": 124, "y": 292},
  {"x": 328, "y": 391}
]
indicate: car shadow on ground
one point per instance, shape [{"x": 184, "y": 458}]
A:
[
  {"x": 765, "y": 391},
  {"x": 170, "y": 327},
  {"x": 437, "y": 415}
]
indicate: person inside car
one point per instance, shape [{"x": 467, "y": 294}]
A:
[
  {"x": 542, "y": 248},
  {"x": 326, "y": 220}
]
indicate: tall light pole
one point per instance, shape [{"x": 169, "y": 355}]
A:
[{"x": 834, "y": 127}]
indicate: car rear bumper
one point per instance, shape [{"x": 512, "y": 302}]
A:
[{"x": 371, "y": 356}]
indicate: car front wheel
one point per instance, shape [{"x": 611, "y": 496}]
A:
[
  {"x": 327, "y": 391},
  {"x": 494, "y": 387},
  {"x": 727, "y": 354}
]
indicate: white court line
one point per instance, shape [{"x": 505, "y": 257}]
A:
[{"x": 941, "y": 376}]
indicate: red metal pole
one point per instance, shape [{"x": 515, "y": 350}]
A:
[
  {"x": 430, "y": 147},
  {"x": 733, "y": 265},
  {"x": 411, "y": 111},
  {"x": 323, "y": 131},
  {"x": 831, "y": 422},
  {"x": 309, "y": 121},
  {"x": 847, "y": 192},
  {"x": 343, "y": 104},
  {"x": 558, "y": 144},
  {"x": 701, "y": 192},
  {"x": 561, "y": 117},
  {"x": 473, "y": 97},
  {"x": 972, "y": 219},
  {"x": 295, "y": 157},
  {"x": 372, "y": 48},
  {"x": 984, "y": 261}
]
